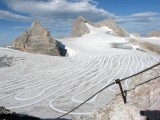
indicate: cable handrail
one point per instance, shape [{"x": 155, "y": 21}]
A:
[{"x": 147, "y": 69}]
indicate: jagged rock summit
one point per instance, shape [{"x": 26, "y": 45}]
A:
[
  {"x": 110, "y": 23},
  {"x": 155, "y": 33},
  {"x": 79, "y": 27},
  {"x": 37, "y": 40}
]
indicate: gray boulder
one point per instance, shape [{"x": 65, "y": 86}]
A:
[
  {"x": 155, "y": 33},
  {"x": 37, "y": 40},
  {"x": 112, "y": 25},
  {"x": 79, "y": 27}
]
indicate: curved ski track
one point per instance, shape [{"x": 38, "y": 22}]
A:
[{"x": 73, "y": 82}]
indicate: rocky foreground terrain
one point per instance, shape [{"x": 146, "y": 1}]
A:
[
  {"x": 6, "y": 114},
  {"x": 142, "y": 98},
  {"x": 37, "y": 40}
]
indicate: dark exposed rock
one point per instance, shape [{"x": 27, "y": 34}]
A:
[
  {"x": 5, "y": 111},
  {"x": 6, "y": 114},
  {"x": 37, "y": 40},
  {"x": 5, "y": 61}
]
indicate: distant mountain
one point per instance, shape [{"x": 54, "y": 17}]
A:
[
  {"x": 146, "y": 46},
  {"x": 80, "y": 28},
  {"x": 155, "y": 33},
  {"x": 110, "y": 23},
  {"x": 37, "y": 40}
]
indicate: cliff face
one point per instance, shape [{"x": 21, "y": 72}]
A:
[
  {"x": 37, "y": 40},
  {"x": 112, "y": 25},
  {"x": 79, "y": 28},
  {"x": 154, "y": 34},
  {"x": 142, "y": 100}
]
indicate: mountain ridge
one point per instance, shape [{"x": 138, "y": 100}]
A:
[{"x": 80, "y": 28}]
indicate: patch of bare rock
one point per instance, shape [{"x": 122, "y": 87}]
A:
[{"x": 143, "y": 100}]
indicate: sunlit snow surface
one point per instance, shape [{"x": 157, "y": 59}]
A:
[{"x": 48, "y": 86}]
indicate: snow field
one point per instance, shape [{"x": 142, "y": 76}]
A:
[{"x": 67, "y": 85}]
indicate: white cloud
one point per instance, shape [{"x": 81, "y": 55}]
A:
[
  {"x": 144, "y": 14},
  {"x": 58, "y": 15},
  {"x": 12, "y": 16},
  {"x": 140, "y": 22},
  {"x": 61, "y": 9},
  {"x": 138, "y": 17}
]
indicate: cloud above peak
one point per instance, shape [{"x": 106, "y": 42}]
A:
[
  {"x": 58, "y": 15},
  {"x": 62, "y": 9},
  {"x": 7, "y": 15}
]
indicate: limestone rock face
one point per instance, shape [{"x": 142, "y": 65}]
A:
[
  {"x": 154, "y": 34},
  {"x": 37, "y": 40},
  {"x": 112, "y": 25},
  {"x": 79, "y": 28},
  {"x": 142, "y": 100}
]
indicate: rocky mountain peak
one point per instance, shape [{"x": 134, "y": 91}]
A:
[
  {"x": 35, "y": 25},
  {"x": 110, "y": 23},
  {"x": 37, "y": 40},
  {"x": 79, "y": 27},
  {"x": 81, "y": 19},
  {"x": 37, "y": 29}
]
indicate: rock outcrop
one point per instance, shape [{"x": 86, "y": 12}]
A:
[
  {"x": 112, "y": 25},
  {"x": 154, "y": 34},
  {"x": 6, "y": 114},
  {"x": 79, "y": 27},
  {"x": 142, "y": 100},
  {"x": 147, "y": 46},
  {"x": 37, "y": 40}
]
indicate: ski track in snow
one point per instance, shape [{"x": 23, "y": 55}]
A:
[{"x": 77, "y": 77}]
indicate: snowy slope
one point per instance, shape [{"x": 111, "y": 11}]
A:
[
  {"x": 153, "y": 40},
  {"x": 48, "y": 86}
]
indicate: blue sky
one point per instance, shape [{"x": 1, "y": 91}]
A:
[{"x": 135, "y": 16}]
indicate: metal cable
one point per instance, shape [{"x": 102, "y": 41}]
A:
[{"x": 147, "y": 69}]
